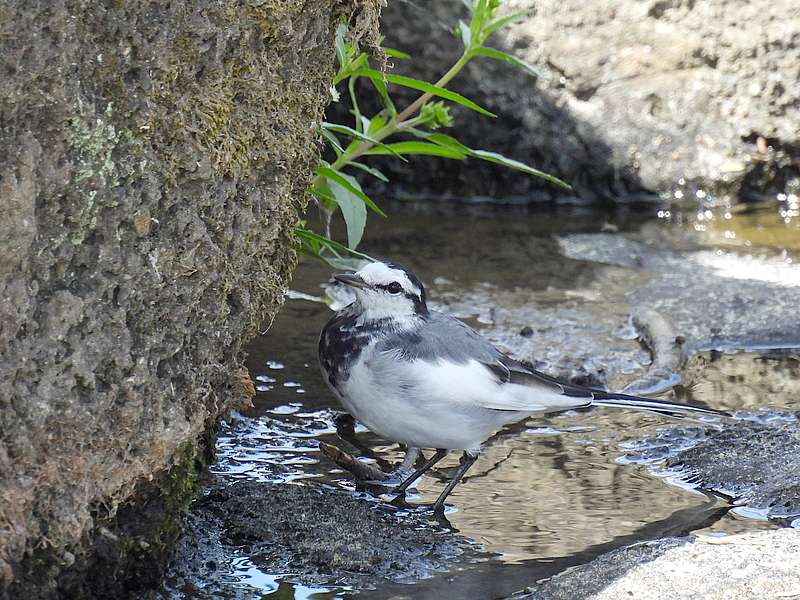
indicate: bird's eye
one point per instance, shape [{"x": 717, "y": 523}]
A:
[{"x": 394, "y": 288}]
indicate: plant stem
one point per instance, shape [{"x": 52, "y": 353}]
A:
[
  {"x": 379, "y": 135},
  {"x": 443, "y": 81},
  {"x": 400, "y": 120},
  {"x": 354, "y": 101}
]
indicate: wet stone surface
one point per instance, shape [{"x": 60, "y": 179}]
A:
[
  {"x": 768, "y": 481},
  {"x": 752, "y": 462},
  {"x": 321, "y": 535},
  {"x": 714, "y": 298}
]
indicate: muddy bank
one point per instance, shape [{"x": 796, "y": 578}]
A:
[
  {"x": 632, "y": 101},
  {"x": 156, "y": 160},
  {"x": 321, "y": 536}
]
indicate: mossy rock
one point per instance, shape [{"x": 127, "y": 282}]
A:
[{"x": 159, "y": 158}]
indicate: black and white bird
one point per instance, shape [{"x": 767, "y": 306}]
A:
[{"x": 425, "y": 379}]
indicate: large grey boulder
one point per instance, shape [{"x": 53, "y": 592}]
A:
[
  {"x": 636, "y": 99},
  {"x": 153, "y": 160}
]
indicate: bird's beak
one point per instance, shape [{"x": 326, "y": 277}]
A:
[{"x": 351, "y": 279}]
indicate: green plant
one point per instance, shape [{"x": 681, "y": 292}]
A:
[{"x": 334, "y": 189}]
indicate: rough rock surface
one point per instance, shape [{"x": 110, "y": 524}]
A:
[
  {"x": 317, "y": 534},
  {"x": 751, "y": 461},
  {"x": 634, "y": 98},
  {"x": 154, "y": 158}
]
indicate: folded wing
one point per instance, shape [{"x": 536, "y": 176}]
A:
[{"x": 451, "y": 359}]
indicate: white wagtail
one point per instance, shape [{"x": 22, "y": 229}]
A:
[{"x": 427, "y": 380}]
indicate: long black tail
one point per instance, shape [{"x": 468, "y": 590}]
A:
[{"x": 662, "y": 407}]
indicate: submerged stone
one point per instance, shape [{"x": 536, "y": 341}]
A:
[
  {"x": 757, "y": 464},
  {"x": 752, "y": 462}
]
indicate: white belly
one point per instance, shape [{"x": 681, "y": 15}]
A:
[{"x": 398, "y": 405}]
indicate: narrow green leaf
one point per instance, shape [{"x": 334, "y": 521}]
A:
[
  {"x": 435, "y": 90},
  {"x": 507, "y": 20},
  {"x": 308, "y": 247},
  {"x": 354, "y": 212},
  {"x": 322, "y": 192},
  {"x": 514, "y": 164},
  {"x": 423, "y": 86},
  {"x": 375, "y": 124},
  {"x": 344, "y": 264},
  {"x": 420, "y": 148},
  {"x": 478, "y": 19},
  {"x": 341, "y": 51},
  {"x": 360, "y": 61},
  {"x": 371, "y": 170},
  {"x": 357, "y": 134},
  {"x": 332, "y": 141},
  {"x": 451, "y": 143},
  {"x": 377, "y": 80},
  {"x": 509, "y": 58},
  {"x": 307, "y": 234},
  {"x": 448, "y": 142},
  {"x": 349, "y": 184},
  {"x": 395, "y": 53},
  {"x": 463, "y": 29}
]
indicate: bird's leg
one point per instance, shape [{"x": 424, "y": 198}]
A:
[
  {"x": 346, "y": 430},
  {"x": 409, "y": 459},
  {"x": 466, "y": 462},
  {"x": 404, "y": 469},
  {"x": 439, "y": 455}
]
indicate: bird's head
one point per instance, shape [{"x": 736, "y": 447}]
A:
[{"x": 385, "y": 289}]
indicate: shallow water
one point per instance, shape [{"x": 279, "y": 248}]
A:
[{"x": 545, "y": 494}]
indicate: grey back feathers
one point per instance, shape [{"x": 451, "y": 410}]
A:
[
  {"x": 439, "y": 336},
  {"x": 427, "y": 380}
]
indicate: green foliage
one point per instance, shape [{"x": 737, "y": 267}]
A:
[{"x": 334, "y": 189}]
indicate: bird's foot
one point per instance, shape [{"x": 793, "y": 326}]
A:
[
  {"x": 396, "y": 477},
  {"x": 435, "y": 512}
]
